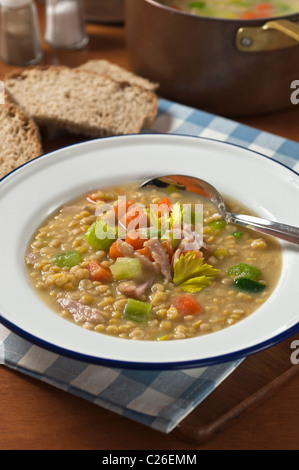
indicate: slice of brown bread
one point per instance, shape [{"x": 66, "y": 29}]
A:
[
  {"x": 82, "y": 102},
  {"x": 19, "y": 138},
  {"x": 118, "y": 73}
]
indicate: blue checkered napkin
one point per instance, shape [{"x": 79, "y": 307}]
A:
[
  {"x": 178, "y": 119},
  {"x": 158, "y": 399}
]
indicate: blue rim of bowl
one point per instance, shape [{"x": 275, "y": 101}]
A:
[{"x": 209, "y": 361}]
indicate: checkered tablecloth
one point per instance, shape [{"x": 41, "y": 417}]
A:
[{"x": 158, "y": 399}]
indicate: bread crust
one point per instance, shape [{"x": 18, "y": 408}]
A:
[
  {"x": 20, "y": 139},
  {"x": 97, "y": 115},
  {"x": 118, "y": 73}
]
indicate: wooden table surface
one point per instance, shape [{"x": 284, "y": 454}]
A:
[{"x": 36, "y": 416}]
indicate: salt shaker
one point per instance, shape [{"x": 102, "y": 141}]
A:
[
  {"x": 20, "y": 41},
  {"x": 65, "y": 24}
]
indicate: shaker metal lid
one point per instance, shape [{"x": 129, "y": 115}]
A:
[{"x": 15, "y": 3}]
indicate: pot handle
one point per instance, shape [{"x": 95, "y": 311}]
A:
[
  {"x": 286, "y": 27},
  {"x": 273, "y": 35}
]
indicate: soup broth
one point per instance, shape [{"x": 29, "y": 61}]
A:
[{"x": 151, "y": 264}]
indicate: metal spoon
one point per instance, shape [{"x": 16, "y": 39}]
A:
[{"x": 201, "y": 187}]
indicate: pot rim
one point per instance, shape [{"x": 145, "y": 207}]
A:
[{"x": 255, "y": 21}]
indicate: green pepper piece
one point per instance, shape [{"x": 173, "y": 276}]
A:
[
  {"x": 137, "y": 311},
  {"x": 237, "y": 235},
  {"x": 108, "y": 236},
  {"x": 68, "y": 259},
  {"x": 217, "y": 224},
  {"x": 244, "y": 270},
  {"x": 248, "y": 285}
]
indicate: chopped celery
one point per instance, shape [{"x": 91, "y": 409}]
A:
[
  {"x": 284, "y": 9},
  {"x": 137, "y": 311},
  {"x": 153, "y": 218},
  {"x": 163, "y": 338},
  {"x": 248, "y": 285},
  {"x": 68, "y": 259},
  {"x": 176, "y": 215},
  {"x": 151, "y": 232},
  {"x": 244, "y": 270},
  {"x": 173, "y": 238},
  {"x": 196, "y": 4},
  {"x": 221, "y": 252},
  {"x": 126, "y": 268},
  {"x": 188, "y": 214},
  {"x": 100, "y": 236}
]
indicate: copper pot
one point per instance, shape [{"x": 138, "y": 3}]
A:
[
  {"x": 104, "y": 11},
  {"x": 228, "y": 67}
]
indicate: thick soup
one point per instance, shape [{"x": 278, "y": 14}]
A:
[
  {"x": 234, "y": 9},
  {"x": 150, "y": 264}
]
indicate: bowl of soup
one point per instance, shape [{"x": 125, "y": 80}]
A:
[
  {"x": 96, "y": 267},
  {"x": 234, "y": 57}
]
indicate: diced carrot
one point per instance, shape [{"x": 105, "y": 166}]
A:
[
  {"x": 165, "y": 201},
  {"x": 198, "y": 253},
  {"x": 163, "y": 205},
  {"x": 135, "y": 218},
  {"x": 129, "y": 217},
  {"x": 98, "y": 272},
  {"x": 249, "y": 16},
  {"x": 263, "y": 6},
  {"x": 122, "y": 207},
  {"x": 168, "y": 248},
  {"x": 114, "y": 251},
  {"x": 96, "y": 197},
  {"x": 186, "y": 304},
  {"x": 145, "y": 252},
  {"x": 135, "y": 240}
]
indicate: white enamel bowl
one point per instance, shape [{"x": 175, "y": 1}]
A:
[{"x": 29, "y": 194}]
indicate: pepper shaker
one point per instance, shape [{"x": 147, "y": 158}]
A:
[
  {"x": 65, "y": 24},
  {"x": 20, "y": 41}
]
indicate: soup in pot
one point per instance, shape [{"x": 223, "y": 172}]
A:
[{"x": 235, "y": 9}]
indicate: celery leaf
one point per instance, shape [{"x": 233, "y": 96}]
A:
[{"x": 191, "y": 274}]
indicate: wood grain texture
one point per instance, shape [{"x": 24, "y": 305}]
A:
[{"x": 36, "y": 416}]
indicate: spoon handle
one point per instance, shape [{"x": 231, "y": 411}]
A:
[{"x": 283, "y": 231}]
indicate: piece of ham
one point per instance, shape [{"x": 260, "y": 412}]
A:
[
  {"x": 124, "y": 247},
  {"x": 133, "y": 290},
  {"x": 127, "y": 250},
  {"x": 32, "y": 258},
  {"x": 160, "y": 256},
  {"x": 176, "y": 256},
  {"x": 147, "y": 264},
  {"x": 81, "y": 312},
  {"x": 191, "y": 240}
]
